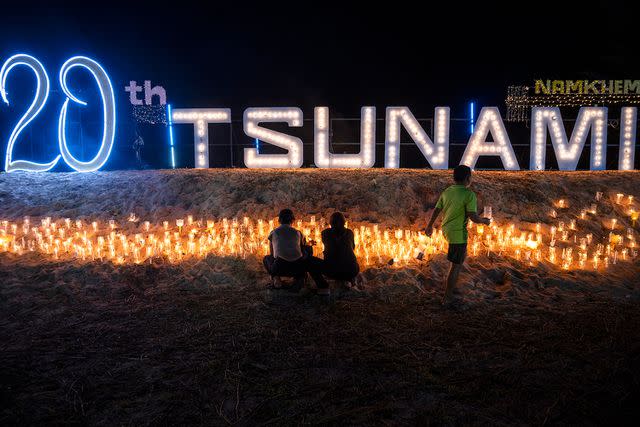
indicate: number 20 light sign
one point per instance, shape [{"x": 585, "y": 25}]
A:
[{"x": 40, "y": 99}]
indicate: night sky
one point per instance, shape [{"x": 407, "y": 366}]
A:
[{"x": 322, "y": 53}]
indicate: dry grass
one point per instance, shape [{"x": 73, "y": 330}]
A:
[
  {"x": 203, "y": 342},
  {"x": 163, "y": 345}
]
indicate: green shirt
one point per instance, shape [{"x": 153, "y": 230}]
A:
[{"x": 455, "y": 202}]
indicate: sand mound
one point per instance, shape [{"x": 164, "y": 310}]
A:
[{"x": 391, "y": 198}]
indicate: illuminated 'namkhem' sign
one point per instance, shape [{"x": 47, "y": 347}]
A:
[{"x": 545, "y": 120}]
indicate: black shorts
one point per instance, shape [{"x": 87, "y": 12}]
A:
[{"x": 457, "y": 252}]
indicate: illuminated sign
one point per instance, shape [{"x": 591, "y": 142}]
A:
[
  {"x": 617, "y": 87},
  {"x": 40, "y": 99},
  {"x": 149, "y": 93},
  {"x": 546, "y": 121}
]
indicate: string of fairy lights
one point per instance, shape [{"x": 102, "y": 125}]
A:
[
  {"x": 519, "y": 102},
  {"x": 149, "y": 114}
]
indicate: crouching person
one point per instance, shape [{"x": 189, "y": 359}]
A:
[
  {"x": 290, "y": 256},
  {"x": 340, "y": 261}
]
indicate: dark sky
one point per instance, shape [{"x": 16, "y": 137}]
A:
[
  {"x": 340, "y": 54},
  {"x": 316, "y": 52}
]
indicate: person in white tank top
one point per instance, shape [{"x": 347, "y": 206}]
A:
[{"x": 290, "y": 257}]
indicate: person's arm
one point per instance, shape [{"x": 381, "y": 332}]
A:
[
  {"x": 303, "y": 241},
  {"x": 471, "y": 211},
  {"x": 473, "y": 216},
  {"x": 270, "y": 238},
  {"x": 434, "y": 216}
]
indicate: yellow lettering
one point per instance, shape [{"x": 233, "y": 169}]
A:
[
  {"x": 618, "y": 88},
  {"x": 574, "y": 86},
  {"x": 557, "y": 86},
  {"x": 632, "y": 86},
  {"x": 542, "y": 88},
  {"x": 590, "y": 86}
]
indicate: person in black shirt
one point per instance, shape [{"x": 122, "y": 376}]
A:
[{"x": 340, "y": 261}]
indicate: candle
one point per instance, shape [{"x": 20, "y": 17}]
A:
[
  {"x": 228, "y": 237},
  {"x": 488, "y": 212}
]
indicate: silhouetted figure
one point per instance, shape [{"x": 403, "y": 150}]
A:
[
  {"x": 138, "y": 143},
  {"x": 340, "y": 261},
  {"x": 291, "y": 257}
]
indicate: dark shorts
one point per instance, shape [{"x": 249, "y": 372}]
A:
[{"x": 457, "y": 252}]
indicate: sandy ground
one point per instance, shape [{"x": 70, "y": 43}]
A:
[{"x": 203, "y": 342}]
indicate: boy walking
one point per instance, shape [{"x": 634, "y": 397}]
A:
[{"x": 458, "y": 204}]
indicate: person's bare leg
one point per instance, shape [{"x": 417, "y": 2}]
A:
[{"x": 452, "y": 279}]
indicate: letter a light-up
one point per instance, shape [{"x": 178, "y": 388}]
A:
[{"x": 489, "y": 120}]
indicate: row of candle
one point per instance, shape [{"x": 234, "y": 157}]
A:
[{"x": 138, "y": 242}]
